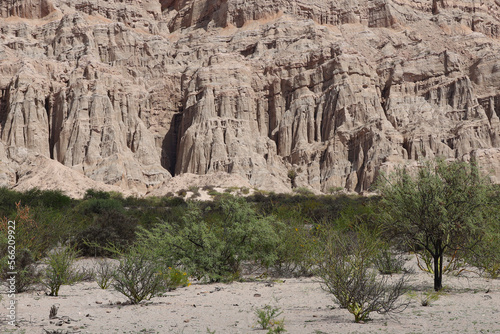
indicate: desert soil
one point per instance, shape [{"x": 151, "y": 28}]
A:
[{"x": 469, "y": 304}]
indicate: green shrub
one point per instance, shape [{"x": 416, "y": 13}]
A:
[
  {"x": 193, "y": 189},
  {"x": 46, "y": 198},
  {"x": 35, "y": 232},
  {"x": 138, "y": 276},
  {"x": 99, "y": 206},
  {"x": 103, "y": 273},
  {"x": 211, "y": 242},
  {"x": 230, "y": 190},
  {"x": 8, "y": 200},
  {"x": 174, "y": 278},
  {"x": 110, "y": 227},
  {"x": 182, "y": 193},
  {"x": 292, "y": 175},
  {"x": 303, "y": 191},
  {"x": 429, "y": 297},
  {"x": 335, "y": 190},
  {"x": 214, "y": 193},
  {"x": 389, "y": 263},
  {"x": 25, "y": 267},
  {"x": 485, "y": 255},
  {"x": 60, "y": 270},
  {"x": 96, "y": 194},
  {"x": 344, "y": 269},
  {"x": 267, "y": 319},
  {"x": 297, "y": 244}
]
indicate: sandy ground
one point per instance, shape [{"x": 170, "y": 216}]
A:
[{"x": 468, "y": 305}]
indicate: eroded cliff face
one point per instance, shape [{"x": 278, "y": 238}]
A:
[{"x": 130, "y": 93}]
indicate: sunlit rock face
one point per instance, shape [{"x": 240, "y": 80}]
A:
[{"x": 131, "y": 93}]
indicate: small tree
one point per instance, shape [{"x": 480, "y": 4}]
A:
[{"x": 435, "y": 210}]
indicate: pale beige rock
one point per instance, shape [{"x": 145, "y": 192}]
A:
[
  {"x": 42, "y": 173},
  {"x": 129, "y": 93}
]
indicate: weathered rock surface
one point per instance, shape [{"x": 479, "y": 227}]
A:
[{"x": 130, "y": 93}]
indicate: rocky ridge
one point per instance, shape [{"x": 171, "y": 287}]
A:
[{"x": 131, "y": 93}]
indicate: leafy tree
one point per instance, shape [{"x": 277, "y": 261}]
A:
[
  {"x": 486, "y": 255},
  {"x": 435, "y": 210}
]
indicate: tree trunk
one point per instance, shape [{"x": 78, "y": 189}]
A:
[{"x": 438, "y": 271}]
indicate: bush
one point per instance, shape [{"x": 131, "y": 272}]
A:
[
  {"x": 59, "y": 269},
  {"x": 96, "y": 194},
  {"x": 104, "y": 272},
  {"x": 193, "y": 189},
  {"x": 174, "y": 278},
  {"x": 267, "y": 319},
  {"x": 344, "y": 268},
  {"x": 29, "y": 247},
  {"x": 110, "y": 227},
  {"x": 429, "y": 297},
  {"x": 25, "y": 266},
  {"x": 214, "y": 193},
  {"x": 212, "y": 242},
  {"x": 54, "y": 199},
  {"x": 296, "y": 246},
  {"x": 486, "y": 255},
  {"x": 292, "y": 175},
  {"x": 389, "y": 263},
  {"x": 138, "y": 276},
  {"x": 335, "y": 190},
  {"x": 97, "y": 206},
  {"x": 303, "y": 191},
  {"x": 182, "y": 193}
]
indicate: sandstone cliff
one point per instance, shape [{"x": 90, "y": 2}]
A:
[{"x": 130, "y": 93}]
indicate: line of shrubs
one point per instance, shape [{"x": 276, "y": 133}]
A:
[{"x": 160, "y": 242}]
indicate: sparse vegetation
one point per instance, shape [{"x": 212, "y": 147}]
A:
[
  {"x": 104, "y": 271},
  {"x": 174, "y": 278},
  {"x": 138, "y": 276},
  {"x": 292, "y": 176},
  {"x": 182, "y": 193},
  {"x": 335, "y": 190},
  {"x": 303, "y": 191},
  {"x": 344, "y": 269},
  {"x": 388, "y": 263},
  {"x": 162, "y": 241},
  {"x": 60, "y": 269},
  {"x": 267, "y": 319}
]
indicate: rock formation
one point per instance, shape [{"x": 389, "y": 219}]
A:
[{"x": 131, "y": 93}]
